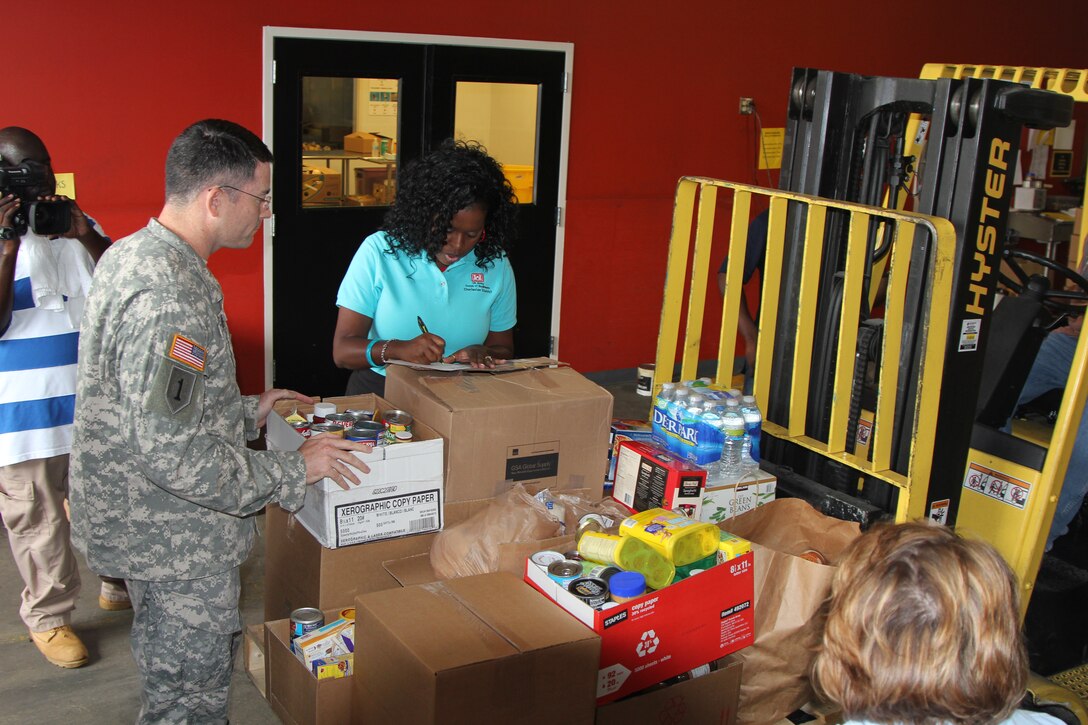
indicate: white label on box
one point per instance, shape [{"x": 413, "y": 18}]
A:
[
  {"x": 610, "y": 679},
  {"x": 385, "y": 518}
]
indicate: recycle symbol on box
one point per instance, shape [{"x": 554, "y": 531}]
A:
[{"x": 648, "y": 643}]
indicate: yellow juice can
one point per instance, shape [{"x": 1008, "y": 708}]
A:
[
  {"x": 629, "y": 554},
  {"x": 679, "y": 539}
]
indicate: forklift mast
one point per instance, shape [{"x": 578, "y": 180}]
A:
[{"x": 845, "y": 140}]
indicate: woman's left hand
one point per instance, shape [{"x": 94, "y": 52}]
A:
[{"x": 477, "y": 356}]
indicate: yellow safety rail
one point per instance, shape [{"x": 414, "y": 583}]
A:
[{"x": 689, "y": 266}]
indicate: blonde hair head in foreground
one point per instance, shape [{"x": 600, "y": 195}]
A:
[{"x": 922, "y": 627}]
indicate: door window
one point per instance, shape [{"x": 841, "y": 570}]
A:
[
  {"x": 349, "y": 137},
  {"x": 503, "y": 118}
]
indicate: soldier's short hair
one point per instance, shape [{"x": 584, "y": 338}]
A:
[{"x": 211, "y": 152}]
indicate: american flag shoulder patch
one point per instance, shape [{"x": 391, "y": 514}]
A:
[{"x": 188, "y": 352}]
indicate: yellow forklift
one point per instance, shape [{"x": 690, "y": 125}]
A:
[{"x": 885, "y": 373}]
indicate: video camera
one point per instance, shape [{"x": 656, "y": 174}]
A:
[{"x": 41, "y": 217}]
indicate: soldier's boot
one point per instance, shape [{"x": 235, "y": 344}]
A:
[
  {"x": 61, "y": 646},
  {"x": 113, "y": 596}
]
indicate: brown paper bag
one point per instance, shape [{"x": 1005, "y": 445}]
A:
[{"x": 789, "y": 593}]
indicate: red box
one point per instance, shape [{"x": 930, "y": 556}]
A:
[
  {"x": 666, "y": 632},
  {"x": 625, "y": 429},
  {"x": 648, "y": 476}
]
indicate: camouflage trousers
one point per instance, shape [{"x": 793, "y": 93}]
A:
[{"x": 185, "y": 635}]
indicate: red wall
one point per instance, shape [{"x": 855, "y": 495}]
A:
[{"x": 108, "y": 85}]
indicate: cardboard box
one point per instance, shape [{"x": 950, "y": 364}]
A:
[
  {"x": 300, "y": 572},
  {"x": 401, "y": 495},
  {"x": 360, "y": 142},
  {"x": 708, "y": 699},
  {"x": 479, "y": 649},
  {"x": 625, "y": 429},
  {"x": 546, "y": 427},
  {"x": 725, "y": 498},
  {"x": 647, "y": 476},
  {"x": 320, "y": 184},
  {"x": 665, "y": 632},
  {"x": 296, "y": 696},
  {"x": 253, "y": 648}
]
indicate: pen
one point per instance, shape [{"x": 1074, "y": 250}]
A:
[{"x": 422, "y": 327}]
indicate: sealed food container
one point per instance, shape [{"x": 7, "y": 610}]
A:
[
  {"x": 680, "y": 539},
  {"x": 730, "y": 546},
  {"x": 399, "y": 425},
  {"x": 589, "y": 590},
  {"x": 367, "y": 431},
  {"x": 565, "y": 571},
  {"x": 544, "y": 559},
  {"x": 341, "y": 419},
  {"x": 683, "y": 572},
  {"x": 326, "y": 429},
  {"x": 305, "y": 620},
  {"x": 627, "y": 585},
  {"x": 630, "y": 553}
]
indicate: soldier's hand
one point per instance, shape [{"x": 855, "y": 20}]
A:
[
  {"x": 329, "y": 455},
  {"x": 268, "y": 400}
]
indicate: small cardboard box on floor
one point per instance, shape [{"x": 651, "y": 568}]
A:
[
  {"x": 480, "y": 649},
  {"x": 546, "y": 426},
  {"x": 665, "y": 632},
  {"x": 296, "y": 696}
]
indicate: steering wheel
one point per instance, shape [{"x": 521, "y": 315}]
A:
[{"x": 1060, "y": 301}]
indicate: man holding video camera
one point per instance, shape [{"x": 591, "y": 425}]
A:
[{"x": 48, "y": 249}]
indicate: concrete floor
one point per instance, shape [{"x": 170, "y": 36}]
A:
[{"x": 106, "y": 691}]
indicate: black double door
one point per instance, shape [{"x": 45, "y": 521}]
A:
[{"x": 313, "y": 243}]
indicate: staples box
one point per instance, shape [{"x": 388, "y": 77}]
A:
[
  {"x": 711, "y": 698},
  {"x": 482, "y": 649},
  {"x": 541, "y": 426},
  {"x": 647, "y": 476},
  {"x": 664, "y": 632},
  {"x": 725, "y": 498},
  {"x": 401, "y": 495}
]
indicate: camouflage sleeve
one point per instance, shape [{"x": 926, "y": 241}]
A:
[
  {"x": 183, "y": 417},
  {"x": 249, "y": 408}
]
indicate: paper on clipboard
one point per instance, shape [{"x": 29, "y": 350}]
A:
[{"x": 526, "y": 363}]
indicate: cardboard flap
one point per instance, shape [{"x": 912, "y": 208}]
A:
[
  {"x": 461, "y": 391},
  {"x": 411, "y": 570},
  {"x": 512, "y": 609},
  {"x": 465, "y": 638}
]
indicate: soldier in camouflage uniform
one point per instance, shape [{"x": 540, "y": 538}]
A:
[{"x": 162, "y": 483}]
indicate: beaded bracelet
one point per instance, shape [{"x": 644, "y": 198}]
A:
[
  {"x": 369, "y": 359},
  {"x": 384, "y": 348}
]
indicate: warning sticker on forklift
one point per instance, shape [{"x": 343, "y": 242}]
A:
[
  {"x": 997, "y": 485},
  {"x": 938, "y": 511},
  {"x": 969, "y": 335}
]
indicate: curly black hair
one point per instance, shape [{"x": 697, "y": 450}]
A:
[{"x": 431, "y": 190}]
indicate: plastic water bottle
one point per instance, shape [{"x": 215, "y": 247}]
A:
[
  {"x": 712, "y": 418},
  {"x": 679, "y": 403},
  {"x": 667, "y": 393},
  {"x": 732, "y": 462},
  {"x": 753, "y": 427}
]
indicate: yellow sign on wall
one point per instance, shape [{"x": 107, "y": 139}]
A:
[{"x": 770, "y": 148}]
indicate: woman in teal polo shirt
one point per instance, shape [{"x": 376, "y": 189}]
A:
[{"x": 435, "y": 283}]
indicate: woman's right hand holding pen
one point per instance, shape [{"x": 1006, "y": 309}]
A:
[{"x": 425, "y": 349}]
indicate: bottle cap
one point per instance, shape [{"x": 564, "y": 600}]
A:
[{"x": 627, "y": 584}]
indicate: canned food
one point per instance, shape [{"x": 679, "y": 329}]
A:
[
  {"x": 306, "y": 620},
  {"x": 573, "y": 555},
  {"x": 302, "y": 427},
  {"x": 367, "y": 431},
  {"x": 360, "y": 415},
  {"x": 326, "y": 429},
  {"x": 565, "y": 571},
  {"x": 543, "y": 559},
  {"x": 348, "y": 613},
  {"x": 399, "y": 424},
  {"x": 341, "y": 419},
  {"x": 590, "y": 522},
  {"x": 589, "y": 590},
  {"x": 603, "y": 572}
]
